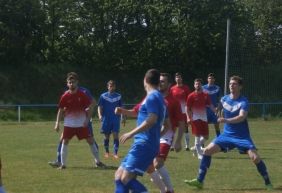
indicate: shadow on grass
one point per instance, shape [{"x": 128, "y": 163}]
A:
[{"x": 108, "y": 167}]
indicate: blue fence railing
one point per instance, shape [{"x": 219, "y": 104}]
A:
[{"x": 259, "y": 109}]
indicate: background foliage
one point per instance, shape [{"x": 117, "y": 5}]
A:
[{"x": 41, "y": 40}]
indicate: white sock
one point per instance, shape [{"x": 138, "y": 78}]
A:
[
  {"x": 2, "y": 189},
  {"x": 95, "y": 152},
  {"x": 155, "y": 178},
  {"x": 198, "y": 147},
  {"x": 186, "y": 135},
  {"x": 165, "y": 177},
  {"x": 202, "y": 141},
  {"x": 64, "y": 153}
]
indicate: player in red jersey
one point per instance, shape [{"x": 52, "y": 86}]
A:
[
  {"x": 197, "y": 102},
  {"x": 181, "y": 91},
  {"x": 77, "y": 109}
]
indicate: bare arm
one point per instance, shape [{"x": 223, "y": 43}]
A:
[
  {"x": 59, "y": 118},
  {"x": 166, "y": 126},
  {"x": 149, "y": 122},
  {"x": 100, "y": 111},
  {"x": 238, "y": 119},
  {"x": 126, "y": 112},
  {"x": 89, "y": 112},
  {"x": 189, "y": 114}
]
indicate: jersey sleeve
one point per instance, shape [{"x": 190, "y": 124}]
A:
[
  {"x": 152, "y": 105},
  {"x": 62, "y": 102},
  {"x": 189, "y": 102},
  {"x": 245, "y": 105}
]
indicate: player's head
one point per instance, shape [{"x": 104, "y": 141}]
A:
[
  {"x": 111, "y": 85},
  {"x": 211, "y": 78},
  {"x": 235, "y": 84},
  {"x": 152, "y": 78},
  {"x": 72, "y": 80},
  {"x": 178, "y": 78},
  {"x": 165, "y": 82},
  {"x": 198, "y": 84}
]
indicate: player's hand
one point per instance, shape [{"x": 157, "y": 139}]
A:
[
  {"x": 221, "y": 120},
  {"x": 118, "y": 110},
  {"x": 100, "y": 119},
  {"x": 57, "y": 127},
  {"x": 125, "y": 137}
]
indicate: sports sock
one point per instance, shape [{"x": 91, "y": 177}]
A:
[
  {"x": 2, "y": 189},
  {"x": 186, "y": 136},
  {"x": 136, "y": 186},
  {"x": 64, "y": 153},
  {"x": 166, "y": 179},
  {"x": 59, "y": 152},
  {"x": 204, "y": 165},
  {"x": 120, "y": 187},
  {"x": 116, "y": 146},
  {"x": 155, "y": 178},
  {"x": 198, "y": 146},
  {"x": 95, "y": 152},
  {"x": 261, "y": 167},
  {"x": 202, "y": 141},
  {"x": 106, "y": 145}
]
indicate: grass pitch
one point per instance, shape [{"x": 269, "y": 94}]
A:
[{"x": 27, "y": 147}]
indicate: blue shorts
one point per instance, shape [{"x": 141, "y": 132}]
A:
[
  {"x": 110, "y": 127},
  {"x": 227, "y": 143},
  {"x": 139, "y": 158},
  {"x": 212, "y": 118}
]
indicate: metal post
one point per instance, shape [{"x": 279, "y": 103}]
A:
[
  {"x": 19, "y": 113},
  {"x": 227, "y": 57}
]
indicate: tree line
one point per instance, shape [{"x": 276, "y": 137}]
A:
[{"x": 42, "y": 40}]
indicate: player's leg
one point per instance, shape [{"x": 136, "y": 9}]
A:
[
  {"x": 68, "y": 133},
  {"x": 105, "y": 129},
  {"x": 186, "y": 137},
  {"x": 57, "y": 162},
  {"x": 261, "y": 167},
  {"x": 156, "y": 178},
  {"x": 217, "y": 129},
  {"x": 116, "y": 128},
  {"x": 211, "y": 149}
]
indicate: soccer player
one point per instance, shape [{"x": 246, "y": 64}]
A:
[
  {"x": 57, "y": 162},
  {"x": 157, "y": 171},
  {"x": 1, "y": 185},
  {"x": 197, "y": 102},
  {"x": 236, "y": 134},
  {"x": 214, "y": 92},
  {"x": 181, "y": 91},
  {"x": 146, "y": 137},
  {"x": 110, "y": 121},
  {"x": 77, "y": 109}
]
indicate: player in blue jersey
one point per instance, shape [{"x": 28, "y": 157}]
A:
[
  {"x": 110, "y": 121},
  {"x": 236, "y": 134},
  {"x": 214, "y": 92},
  {"x": 146, "y": 137},
  {"x": 1, "y": 185},
  {"x": 92, "y": 143}
]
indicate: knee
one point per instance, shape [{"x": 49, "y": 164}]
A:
[{"x": 255, "y": 159}]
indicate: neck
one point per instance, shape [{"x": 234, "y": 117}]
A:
[
  {"x": 151, "y": 88},
  {"x": 234, "y": 95},
  {"x": 73, "y": 91}
]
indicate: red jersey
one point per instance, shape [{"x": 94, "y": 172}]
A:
[
  {"x": 174, "y": 111},
  {"x": 198, "y": 102},
  {"x": 180, "y": 93},
  {"x": 74, "y": 105}
]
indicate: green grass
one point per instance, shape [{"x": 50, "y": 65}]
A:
[{"x": 27, "y": 147}]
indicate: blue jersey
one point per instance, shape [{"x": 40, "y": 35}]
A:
[
  {"x": 153, "y": 103},
  {"x": 214, "y": 92},
  {"x": 87, "y": 92},
  {"x": 109, "y": 101},
  {"x": 231, "y": 108}
]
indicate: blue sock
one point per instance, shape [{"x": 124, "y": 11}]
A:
[
  {"x": 136, "y": 186},
  {"x": 96, "y": 144},
  {"x": 204, "y": 165},
  {"x": 106, "y": 145},
  {"x": 116, "y": 145},
  {"x": 120, "y": 187},
  {"x": 59, "y": 152},
  {"x": 263, "y": 172}
]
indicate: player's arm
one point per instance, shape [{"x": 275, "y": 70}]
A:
[
  {"x": 166, "y": 126},
  {"x": 100, "y": 112},
  {"x": 238, "y": 119},
  {"x": 58, "y": 119},
  {"x": 125, "y": 112},
  {"x": 149, "y": 122},
  {"x": 89, "y": 111},
  {"x": 189, "y": 114}
]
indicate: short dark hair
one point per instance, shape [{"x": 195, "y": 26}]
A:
[
  {"x": 237, "y": 78},
  {"x": 178, "y": 74},
  {"x": 198, "y": 80},
  {"x": 211, "y": 75},
  {"x": 152, "y": 77},
  {"x": 167, "y": 75},
  {"x": 72, "y": 75},
  {"x": 111, "y": 82}
]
